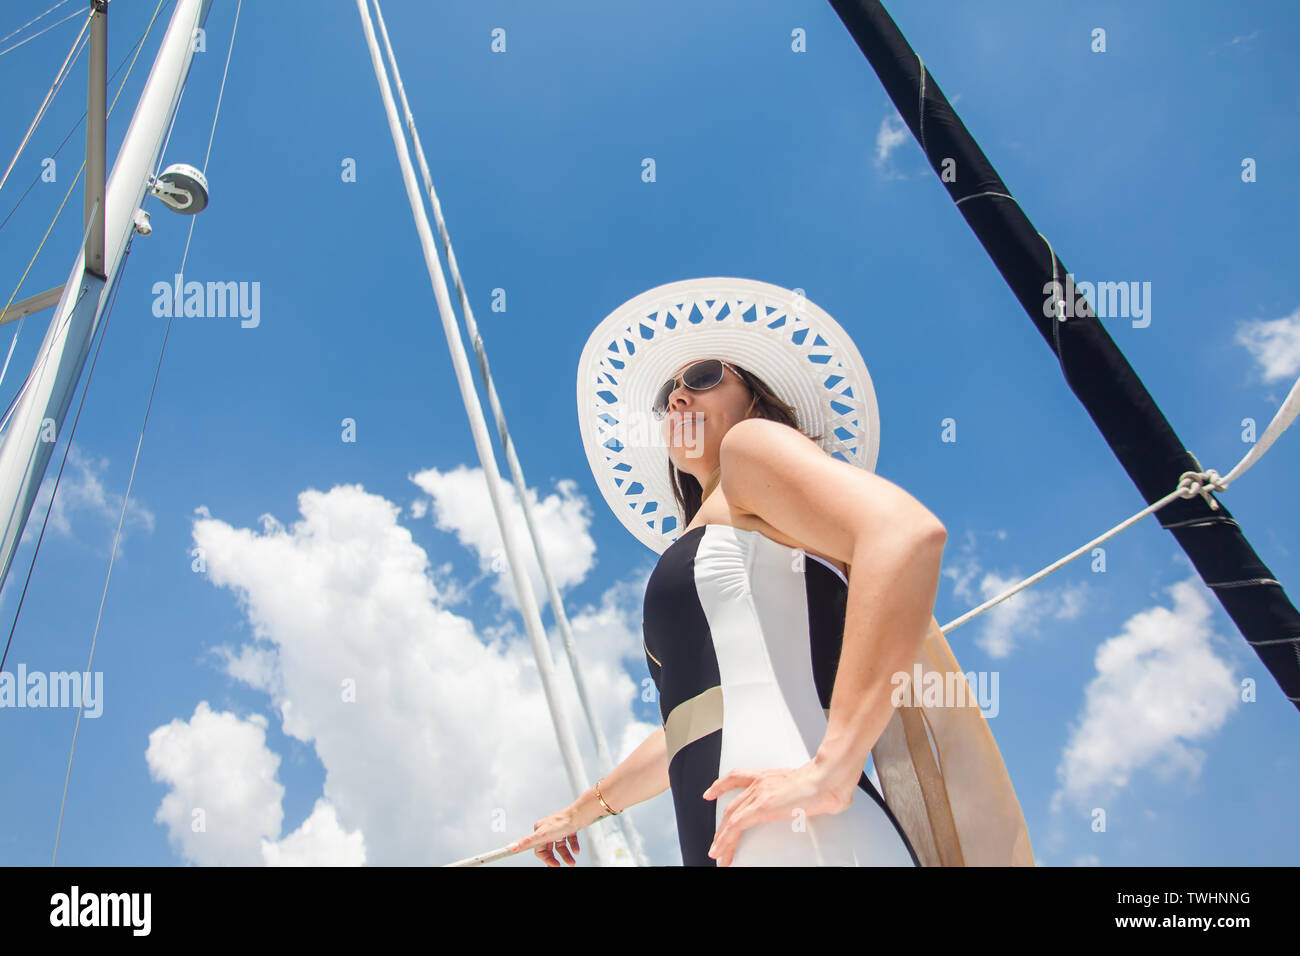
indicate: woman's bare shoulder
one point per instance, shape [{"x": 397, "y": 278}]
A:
[{"x": 717, "y": 510}]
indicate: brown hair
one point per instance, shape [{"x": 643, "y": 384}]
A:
[{"x": 763, "y": 403}]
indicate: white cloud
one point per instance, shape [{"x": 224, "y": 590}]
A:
[
  {"x": 223, "y": 806},
  {"x": 892, "y": 133},
  {"x": 80, "y": 495},
  {"x": 1159, "y": 687},
  {"x": 447, "y": 748},
  {"x": 320, "y": 841},
  {"x": 251, "y": 664},
  {"x": 1274, "y": 344},
  {"x": 81, "y": 491},
  {"x": 461, "y": 504},
  {"x": 1023, "y": 615},
  {"x": 223, "y": 797}
]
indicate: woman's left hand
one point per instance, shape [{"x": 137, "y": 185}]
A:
[{"x": 772, "y": 795}]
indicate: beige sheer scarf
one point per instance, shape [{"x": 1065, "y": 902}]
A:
[{"x": 949, "y": 788}]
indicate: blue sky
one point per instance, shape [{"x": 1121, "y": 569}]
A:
[{"x": 372, "y": 560}]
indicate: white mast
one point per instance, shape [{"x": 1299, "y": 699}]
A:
[{"x": 37, "y": 418}]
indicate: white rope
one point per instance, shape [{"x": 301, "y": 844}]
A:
[
  {"x": 487, "y": 857},
  {"x": 1190, "y": 484},
  {"x": 1281, "y": 421}
]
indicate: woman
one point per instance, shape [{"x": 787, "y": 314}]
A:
[{"x": 775, "y": 676}]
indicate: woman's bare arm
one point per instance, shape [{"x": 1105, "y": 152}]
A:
[
  {"x": 644, "y": 774},
  {"x": 887, "y": 619},
  {"x": 871, "y": 524}
]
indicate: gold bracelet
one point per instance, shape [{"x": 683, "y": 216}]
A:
[{"x": 608, "y": 808}]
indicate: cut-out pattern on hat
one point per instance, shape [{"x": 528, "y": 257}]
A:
[{"x": 814, "y": 366}]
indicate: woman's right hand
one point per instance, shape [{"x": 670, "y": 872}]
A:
[{"x": 557, "y": 833}]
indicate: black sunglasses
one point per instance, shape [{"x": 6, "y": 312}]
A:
[{"x": 699, "y": 376}]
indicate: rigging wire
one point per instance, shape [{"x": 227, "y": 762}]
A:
[
  {"x": 136, "y": 55},
  {"x": 45, "y": 357},
  {"x": 622, "y": 824},
  {"x": 568, "y": 745},
  {"x": 222, "y": 91},
  {"x": 139, "y": 45},
  {"x": 37, "y": 177},
  {"x": 35, "y": 35},
  {"x": 31, "y": 21},
  {"x": 50, "y": 505},
  {"x": 111, "y": 78},
  {"x": 117, "y": 284},
  {"x": 19, "y": 286},
  {"x": 126, "y": 498},
  {"x": 32, "y": 564},
  {"x": 49, "y": 96}
]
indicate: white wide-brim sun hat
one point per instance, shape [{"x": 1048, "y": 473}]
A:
[{"x": 799, "y": 351}]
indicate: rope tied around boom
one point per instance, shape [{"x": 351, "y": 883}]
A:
[{"x": 1190, "y": 484}]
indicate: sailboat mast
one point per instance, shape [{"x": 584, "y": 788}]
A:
[
  {"x": 96, "y": 133},
  {"x": 37, "y": 419}
]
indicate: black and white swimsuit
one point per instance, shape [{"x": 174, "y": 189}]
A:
[{"x": 742, "y": 638}]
